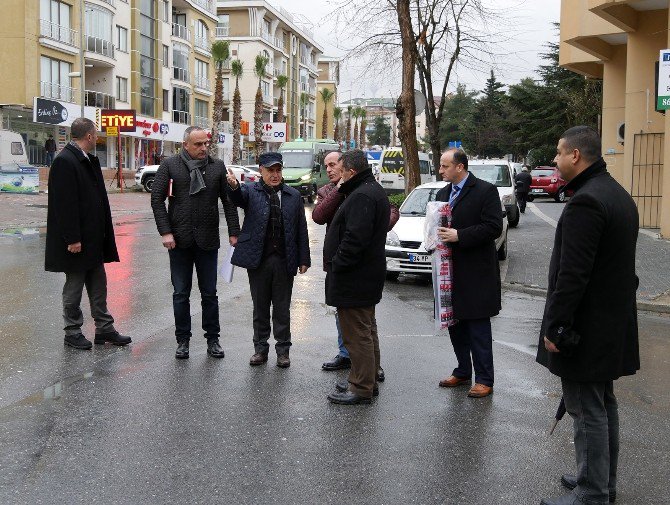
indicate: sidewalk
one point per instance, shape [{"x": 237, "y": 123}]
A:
[{"x": 529, "y": 253}]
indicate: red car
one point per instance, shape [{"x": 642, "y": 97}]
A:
[{"x": 547, "y": 182}]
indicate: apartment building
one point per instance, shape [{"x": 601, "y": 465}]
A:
[
  {"x": 619, "y": 41},
  {"x": 329, "y": 77},
  {"x": 255, "y": 27},
  {"x": 152, "y": 56}
]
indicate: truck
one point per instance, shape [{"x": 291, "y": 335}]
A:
[
  {"x": 16, "y": 174},
  {"x": 392, "y": 170},
  {"x": 304, "y": 168}
]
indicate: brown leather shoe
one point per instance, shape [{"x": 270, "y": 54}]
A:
[
  {"x": 452, "y": 381},
  {"x": 258, "y": 359},
  {"x": 479, "y": 391},
  {"x": 283, "y": 361}
]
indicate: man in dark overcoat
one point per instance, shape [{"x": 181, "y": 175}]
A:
[
  {"x": 522, "y": 182},
  {"x": 193, "y": 183},
  {"x": 273, "y": 246},
  {"x": 589, "y": 331},
  {"x": 476, "y": 223},
  {"x": 80, "y": 236},
  {"x": 355, "y": 262}
]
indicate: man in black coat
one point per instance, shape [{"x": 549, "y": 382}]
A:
[
  {"x": 476, "y": 223},
  {"x": 589, "y": 330},
  {"x": 80, "y": 236},
  {"x": 193, "y": 183},
  {"x": 522, "y": 181},
  {"x": 355, "y": 271}
]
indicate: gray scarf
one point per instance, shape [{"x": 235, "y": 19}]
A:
[{"x": 195, "y": 168}]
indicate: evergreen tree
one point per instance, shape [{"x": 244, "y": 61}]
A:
[{"x": 381, "y": 135}]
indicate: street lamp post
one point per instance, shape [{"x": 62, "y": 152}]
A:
[{"x": 82, "y": 66}]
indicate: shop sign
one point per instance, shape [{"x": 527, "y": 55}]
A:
[
  {"x": 112, "y": 131},
  {"x": 272, "y": 132},
  {"x": 663, "y": 82},
  {"x": 226, "y": 140},
  {"x": 121, "y": 119},
  {"x": 53, "y": 112}
]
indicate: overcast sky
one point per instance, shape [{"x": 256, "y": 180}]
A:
[{"x": 529, "y": 26}]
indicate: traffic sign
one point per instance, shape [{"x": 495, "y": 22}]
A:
[{"x": 112, "y": 131}]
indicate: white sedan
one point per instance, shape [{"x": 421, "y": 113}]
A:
[{"x": 145, "y": 175}]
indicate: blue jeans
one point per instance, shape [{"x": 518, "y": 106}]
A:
[
  {"x": 473, "y": 345},
  {"x": 182, "y": 261},
  {"x": 340, "y": 344}
]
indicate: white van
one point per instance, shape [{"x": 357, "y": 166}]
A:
[
  {"x": 16, "y": 175},
  {"x": 392, "y": 170}
]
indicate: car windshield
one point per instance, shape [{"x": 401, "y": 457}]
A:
[
  {"x": 542, "y": 172},
  {"x": 415, "y": 203},
  {"x": 498, "y": 175},
  {"x": 298, "y": 158}
]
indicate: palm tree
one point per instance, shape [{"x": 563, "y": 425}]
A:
[
  {"x": 348, "y": 129},
  {"x": 220, "y": 53},
  {"x": 337, "y": 115},
  {"x": 236, "y": 69},
  {"x": 362, "y": 113},
  {"x": 357, "y": 114},
  {"x": 259, "y": 71},
  {"x": 304, "y": 101},
  {"x": 282, "y": 81},
  {"x": 326, "y": 96}
]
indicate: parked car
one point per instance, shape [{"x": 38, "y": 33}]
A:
[
  {"x": 145, "y": 175},
  {"x": 499, "y": 173},
  {"x": 405, "y": 252},
  {"x": 547, "y": 181}
]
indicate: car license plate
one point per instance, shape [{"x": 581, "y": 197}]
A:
[
  {"x": 387, "y": 182},
  {"x": 419, "y": 258},
  {"x": 537, "y": 191}
]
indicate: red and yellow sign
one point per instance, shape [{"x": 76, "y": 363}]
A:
[{"x": 122, "y": 119}]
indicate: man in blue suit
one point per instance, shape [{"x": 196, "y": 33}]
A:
[{"x": 273, "y": 246}]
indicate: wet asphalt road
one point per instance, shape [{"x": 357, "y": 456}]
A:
[{"x": 134, "y": 425}]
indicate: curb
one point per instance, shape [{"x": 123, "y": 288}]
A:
[{"x": 644, "y": 305}]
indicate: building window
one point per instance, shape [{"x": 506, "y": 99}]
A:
[
  {"x": 166, "y": 11},
  {"x": 180, "y": 61},
  {"x": 202, "y": 74},
  {"x": 265, "y": 86},
  {"x": 180, "y": 106},
  {"x": 223, "y": 26},
  {"x": 55, "y": 12},
  {"x": 98, "y": 22},
  {"x": 122, "y": 89},
  {"x": 55, "y": 81},
  {"x": 147, "y": 58},
  {"x": 201, "y": 113},
  {"x": 166, "y": 56},
  {"x": 166, "y": 100},
  {"x": 121, "y": 39}
]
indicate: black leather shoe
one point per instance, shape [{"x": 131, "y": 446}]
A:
[
  {"x": 343, "y": 386},
  {"x": 77, "y": 341},
  {"x": 347, "y": 398},
  {"x": 570, "y": 482},
  {"x": 339, "y": 362},
  {"x": 214, "y": 349},
  {"x": 113, "y": 337},
  {"x": 283, "y": 361},
  {"x": 182, "y": 350},
  {"x": 380, "y": 375}
]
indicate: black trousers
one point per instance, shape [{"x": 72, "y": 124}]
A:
[
  {"x": 522, "y": 198},
  {"x": 271, "y": 286},
  {"x": 473, "y": 345},
  {"x": 95, "y": 281}
]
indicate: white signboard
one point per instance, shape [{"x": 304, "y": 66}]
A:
[
  {"x": 154, "y": 129},
  {"x": 226, "y": 140},
  {"x": 663, "y": 101},
  {"x": 53, "y": 112},
  {"x": 272, "y": 132}
]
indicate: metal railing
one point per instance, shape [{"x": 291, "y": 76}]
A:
[
  {"x": 222, "y": 31},
  {"x": 646, "y": 186},
  {"x": 109, "y": 2},
  {"x": 207, "y": 5},
  {"x": 57, "y": 91},
  {"x": 181, "y": 31},
  {"x": 226, "y": 64},
  {"x": 98, "y": 99},
  {"x": 180, "y": 116},
  {"x": 181, "y": 74},
  {"x": 225, "y": 96},
  {"x": 203, "y": 43},
  {"x": 267, "y": 98},
  {"x": 279, "y": 43},
  {"x": 100, "y": 46},
  {"x": 202, "y": 82},
  {"x": 59, "y": 33},
  {"x": 270, "y": 70},
  {"x": 202, "y": 122}
]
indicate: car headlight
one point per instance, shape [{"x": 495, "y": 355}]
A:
[
  {"x": 306, "y": 177},
  {"x": 508, "y": 199},
  {"x": 392, "y": 239}
]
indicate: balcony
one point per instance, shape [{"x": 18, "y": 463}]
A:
[
  {"x": 207, "y": 5},
  {"x": 266, "y": 37},
  {"x": 180, "y": 31},
  {"x": 270, "y": 70},
  {"x": 100, "y": 46},
  {"x": 59, "y": 33},
  {"x": 109, "y": 2},
  {"x": 279, "y": 43},
  {"x": 202, "y": 83},
  {"x": 57, "y": 91},
  {"x": 180, "y": 116},
  {"x": 181, "y": 74},
  {"x": 223, "y": 31},
  {"x": 202, "y": 122},
  {"x": 99, "y": 100},
  {"x": 267, "y": 99},
  {"x": 225, "y": 96},
  {"x": 203, "y": 43}
]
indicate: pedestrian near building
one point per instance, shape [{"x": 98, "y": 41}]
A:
[
  {"x": 476, "y": 223},
  {"x": 193, "y": 183},
  {"x": 589, "y": 335},
  {"x": 327, "y": 203},
  {"x": 522, "y": 182},
  {"x": 273, "y": 246},
  {"x": 50, "y": 148},
  {"x": 355, "y": 265},
  {"x": 80, "y": 236}
]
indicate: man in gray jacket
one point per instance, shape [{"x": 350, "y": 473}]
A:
[{"x": 193, "y": 183}]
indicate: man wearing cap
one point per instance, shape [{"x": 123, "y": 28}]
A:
[{"x": 273, "y": 246}]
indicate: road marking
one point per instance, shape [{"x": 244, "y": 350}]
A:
[
  {"x": 517, "y": 347},
  {"x": 533, "y": 208}
]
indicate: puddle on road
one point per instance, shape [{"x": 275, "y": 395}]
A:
[
  {"x": 22, "y": 233},
  {"x": 55, "y": 391}
]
